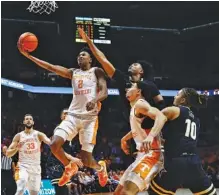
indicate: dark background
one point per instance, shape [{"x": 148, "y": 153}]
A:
[
  {"x": 192, "y": 53},
  {"x": 186, "y": 57}
]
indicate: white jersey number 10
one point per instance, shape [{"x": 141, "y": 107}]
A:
[{"x": 190, "y": 129}]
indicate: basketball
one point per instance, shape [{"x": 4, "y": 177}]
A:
[{"x": 28, "y": 41}]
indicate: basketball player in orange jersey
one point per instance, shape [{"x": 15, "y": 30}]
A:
[
  {"x": 147, "y": 164},
  {"x": 89, "y": 89},
  {"x": 28, "y": 170}
]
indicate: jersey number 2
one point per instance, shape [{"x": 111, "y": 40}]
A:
[
  {"x": 80, "y": 83},
  {"x": 190, "y": 129}
]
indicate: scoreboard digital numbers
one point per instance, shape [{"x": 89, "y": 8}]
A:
[{"x": 96, "y": 28}]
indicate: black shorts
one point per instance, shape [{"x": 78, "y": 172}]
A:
[{"x": 182, "y": 172}]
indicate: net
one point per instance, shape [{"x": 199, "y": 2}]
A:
[{"x": 42, "y": 7}]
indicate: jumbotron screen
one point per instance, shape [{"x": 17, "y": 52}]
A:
[{"x": 96, "y": 28}]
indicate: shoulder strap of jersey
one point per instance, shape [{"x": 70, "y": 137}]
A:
[
  {"x": 21, "y": 133},
  {"x": 74, "y": 70}
]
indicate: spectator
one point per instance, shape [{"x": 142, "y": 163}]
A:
[{"x": 115, "y": 176}]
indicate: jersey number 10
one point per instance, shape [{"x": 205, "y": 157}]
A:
[{"x": 190, "y": 129}]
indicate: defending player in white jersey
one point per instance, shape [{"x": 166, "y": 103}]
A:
[
  {"x": 147, "y": 164},
  {"x": 28, "y": 170},
  {"x": 89, "y": 89}
]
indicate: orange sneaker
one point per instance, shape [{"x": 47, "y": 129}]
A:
[
  {"x": 102, "y": 175},
  {"x": 70, "y": 170}
]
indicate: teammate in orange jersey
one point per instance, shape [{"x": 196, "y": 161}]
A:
[
  {"x": 89, "y": 89},
  {"x": 28, "y": 170},
  {"x": 147, "y": 164}
]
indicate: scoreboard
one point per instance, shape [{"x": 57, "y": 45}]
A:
[{"x": 96, "y": 28}]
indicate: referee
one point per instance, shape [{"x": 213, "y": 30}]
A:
[{"x": 7, "y": 171}]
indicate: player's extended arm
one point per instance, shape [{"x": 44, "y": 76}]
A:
[
  {"x": 142, "y": 107},
  {"x": 106, "y": 64},
  {"x": 13, "y": 148},
  {"x": 60, "y": 70},
  {"x": 43, "y": 138},
  {"x": 171, "y": 113}
]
